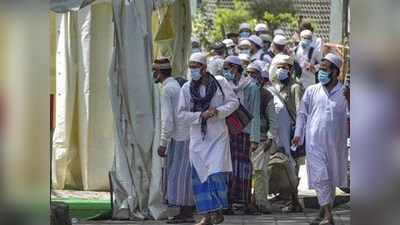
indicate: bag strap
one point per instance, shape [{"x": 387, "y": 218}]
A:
[
  {"x": 219, "y": 85},
  {"x": 275, "y": 93},
  {"x": 310, "y": 53}
]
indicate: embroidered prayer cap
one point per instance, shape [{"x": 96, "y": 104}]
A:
[
  {"x": 162, "y": 63},
  {"x": 333, "y": 58},
  {"x": 198, "y": 57}
]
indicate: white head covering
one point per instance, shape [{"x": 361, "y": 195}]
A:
[
  {"x": 256, "y": 40},
  {"x": 228, "y": 43},
  {"x": 243, "y": 26},
  {"x": 261, "y": 27},
  {"x": 282, "y": 59},
  {"x": 215, "y": 66},
  {"x": 280, "y": 40},
  {"x": 255, "y": 65},
  {"x": 279, "y": 32},
  {"x": 306, "y": 34},
  {"x": 278, "y": 59},
  {"x": 333, "y": 58},
  {"x": 244, "y": 57},
  {"x": 198, "y": 57},
  {"x": 244, "y": 42},
  {"x": 233, "y": 59}
]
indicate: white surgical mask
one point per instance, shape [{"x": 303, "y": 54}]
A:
[
  {"x": 195, "y": 73},
  {"x": 245, "y": 51}
]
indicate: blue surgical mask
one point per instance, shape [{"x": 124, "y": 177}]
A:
[
  {"x": 305, "y": 43},
  {"x": 282, "y": 74},
  {"x": 195, "y": 73},
  {"x": 324, "y": 77},
  {"x": 229, "y": 75},
  {"x": 194, "y": 50},
  {"x": 244, "y": 34}
]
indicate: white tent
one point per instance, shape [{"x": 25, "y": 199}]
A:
[{"x": 104, "y": 49}]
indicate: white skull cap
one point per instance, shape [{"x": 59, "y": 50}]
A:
[
  {"x": 228, "y": 43},
  {"x": 280, "y": 40},
  {"x": 282, "y": 59},
  {"x": 256, "y": 40},
  {"x": 198, "y": 57},
  {"x": 261, "y": 27},
  {"x": 243, "y": 26},
  {"x": 233, "y": 59},
  {"x": 333, "y": 58},
  {"x": 306, "y": 33},
  {"x": 244, "y": 42}
]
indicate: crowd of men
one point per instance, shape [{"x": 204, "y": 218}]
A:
[{"x": 296, "y": 101}]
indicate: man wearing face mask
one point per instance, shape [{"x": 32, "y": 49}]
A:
[
  {"x": 257, "y": 45},
  {"x": 240, "y": 144},
  {"x": 230, "y": 47},
  {"x": 216, "y": 62},
  {"x": 174, "y": 144},
  {"x": 322, "y": 120},
  {"x": 204, "y": 103},
  {"x": 244, "y": 47},
  {"x": 278, "y": 46},
  {"x": 244, "y": 30},
  {"x": 307, "y": 59},
  {"x": 287, "y": 95}
]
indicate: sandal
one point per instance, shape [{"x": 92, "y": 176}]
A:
[
  {"x": 293, "y": 208},
  {"x": 217, "y": 218},
  {"x": 179, "y": 219},
  {"x": 327, "y": 222},
  {"x": 204, "y": 221}
]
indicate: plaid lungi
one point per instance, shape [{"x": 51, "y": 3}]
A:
[
  {"x": 240, "y": 178},
  {"x": 212, "y": 195}
]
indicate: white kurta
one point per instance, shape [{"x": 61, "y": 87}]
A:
[
  {"x": 211, "y": 155},
  {"x": 171, "y": 127},
  {"x": 239, "y": 89},
  {"x": 322, "y": 119},
  {"x": 301, "y": 55}
]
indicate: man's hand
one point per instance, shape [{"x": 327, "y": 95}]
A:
[
  {"x": 311, "y": 68},
  {"x": 253, "y": 146},
  {"x": 213, "y": 111},
  {"x": 296, "y": 141},
  {"x": 206, "y": 114},
  {"x": 162, "y": 151}
]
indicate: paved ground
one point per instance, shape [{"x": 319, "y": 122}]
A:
[{"x": 342, "y": 217}]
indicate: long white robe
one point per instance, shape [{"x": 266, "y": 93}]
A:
[
  {"x": 211, "y": 155},
  {"x": 322, "y": 119}
]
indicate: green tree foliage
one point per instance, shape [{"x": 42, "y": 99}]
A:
[
  {"x": 275, "y": 21},
  {"x": 275, "y": 13},
  {"x": 257, "y": 8}
]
